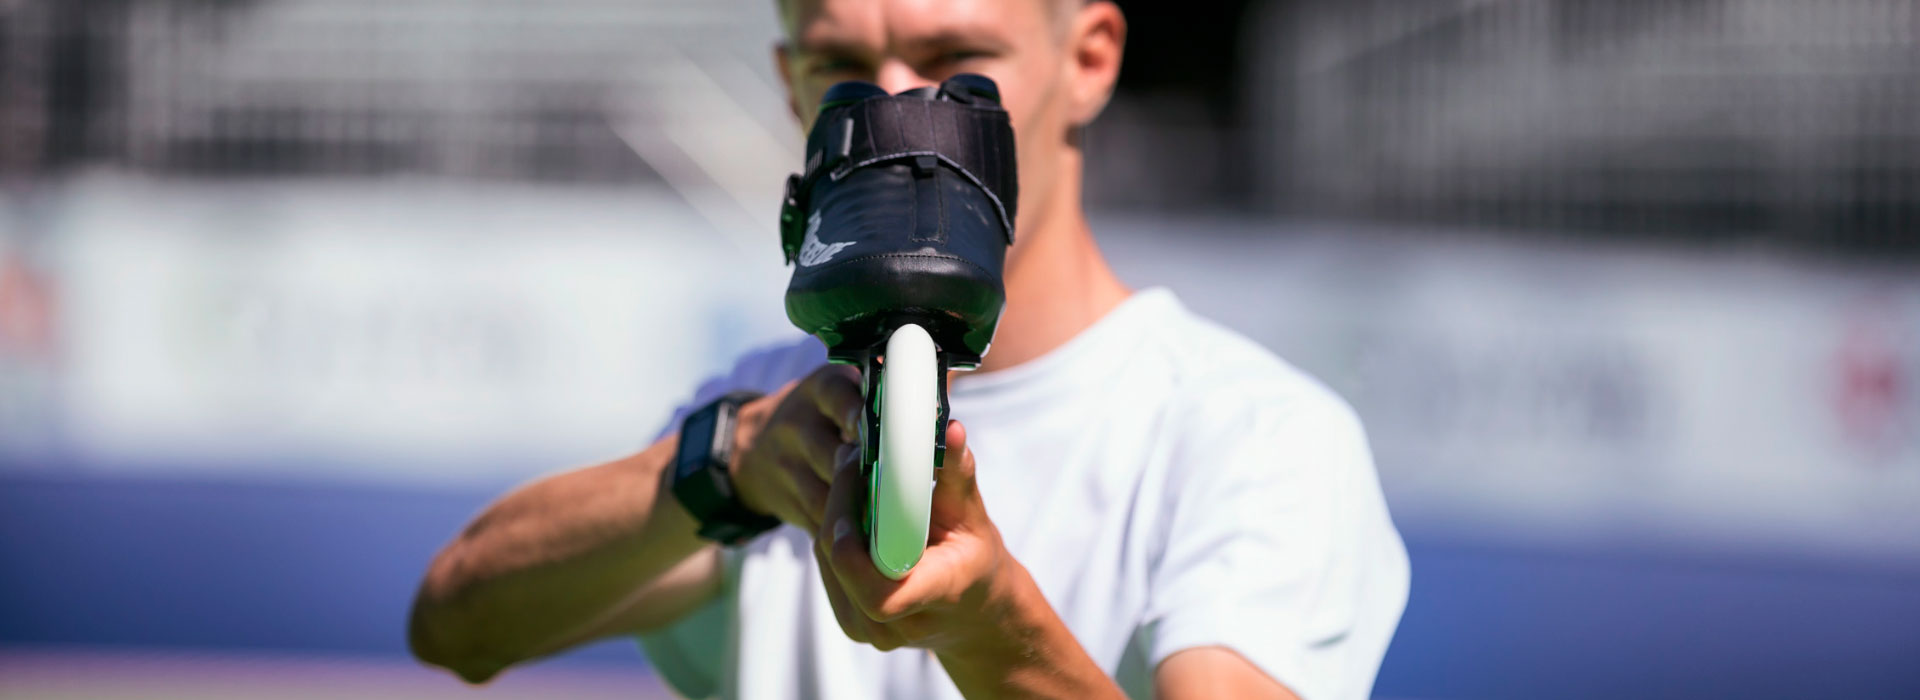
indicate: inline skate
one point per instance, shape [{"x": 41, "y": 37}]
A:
[{"x": 897, "y": 230}]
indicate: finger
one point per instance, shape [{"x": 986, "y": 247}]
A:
[
  {"x": 835, "y": 391},
  {"x": 845, "y": 456},
  {"x": 878, "y": 598},
  {"x": 843, "y": 547},
  {"x": 955, "y": 478},
  {"x": 852, "y": 623},
  {"x": 818, "y": 441},
  {"x": 810, "y": 492},
  {"x": 806, "y": 514},
  {"x": 924, "y": 629},
  {"x": 756, "y": 413},
  {"x": 844, "y": 565},
  {"x": 846, "y": 553},
  {"x": 838, "y": 515},
  {"x": 853, "y": 620},
  {"x": 818, "y": 492},
  {"x": 855, "y": 624},
  {"x": 884, "y": 638}
]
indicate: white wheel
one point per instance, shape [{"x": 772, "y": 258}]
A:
[{"x": 901, "y": 493}]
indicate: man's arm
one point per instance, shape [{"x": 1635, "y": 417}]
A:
[
  {"x": 565, "y": 560},
  {"x": 1214, "y": 672},
  {"x": 607, "y": 550}
]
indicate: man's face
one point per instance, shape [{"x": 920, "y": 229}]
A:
[{"x": 903, "y": 44}]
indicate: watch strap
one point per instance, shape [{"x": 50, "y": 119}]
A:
[{"x": 701, "y": 477}]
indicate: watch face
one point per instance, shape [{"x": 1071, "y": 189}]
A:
[{"x": 697, "y": 445}]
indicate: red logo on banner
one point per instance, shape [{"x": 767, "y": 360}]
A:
[
  {"x": 26, "y": 311},
  {"x": 1874, "y": 390}
]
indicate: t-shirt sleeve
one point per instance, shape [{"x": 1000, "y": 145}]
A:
[
  {"x": 764, "y": 371},
  {"x": 692, "y": 654},
  {"x": 1279, "y": 547}
]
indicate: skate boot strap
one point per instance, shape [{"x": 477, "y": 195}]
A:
[{"x": 960, "y": 126}]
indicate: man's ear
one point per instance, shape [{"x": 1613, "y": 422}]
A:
[
  {"x": 781, "y": 64},
  {"x": 1094, "y": 47}
]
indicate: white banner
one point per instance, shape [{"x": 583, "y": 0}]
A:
[
  {"x": 391, "y": 331},
  {"x": 1531, "y": 390}
]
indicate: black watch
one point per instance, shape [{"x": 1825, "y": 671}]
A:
[{"x": 702, "y": 481}]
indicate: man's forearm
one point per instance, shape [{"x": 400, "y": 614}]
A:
[
  {"x": 546, "y": 564},
  {"x": 1033, "y": 656}
]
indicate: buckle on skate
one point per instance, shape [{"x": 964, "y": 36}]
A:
[{"x": 792, "y": 218}]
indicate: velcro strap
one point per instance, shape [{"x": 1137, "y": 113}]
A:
[{"x": 976, "y": 142}]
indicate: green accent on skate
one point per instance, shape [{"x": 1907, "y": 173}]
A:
[
  {"x": 867, "y": 514},
  {"x": 873, "y": 487},
  {"x": 824, "y": 106},
  {"x": 871, "y": 462}
]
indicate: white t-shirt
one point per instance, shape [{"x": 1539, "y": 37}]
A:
[{"x": 1168, "y": 483}]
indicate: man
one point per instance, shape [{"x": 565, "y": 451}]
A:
[{"x": 1139, "y": 502}]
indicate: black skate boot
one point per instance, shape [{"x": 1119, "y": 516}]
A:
[{"x": 898, "y": 230}]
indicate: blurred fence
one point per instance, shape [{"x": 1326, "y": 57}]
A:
[
  {"x": 360, "y": 87},
  {"x": 1789, "y": 121},
  {"x": 1772, "y": 121}
]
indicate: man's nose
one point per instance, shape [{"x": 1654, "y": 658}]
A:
[{"x": 896, "y": 76}]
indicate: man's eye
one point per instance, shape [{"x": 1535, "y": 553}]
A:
[
  {"x": 964, "y": 56},
  {"x": 834, "y": 66}
]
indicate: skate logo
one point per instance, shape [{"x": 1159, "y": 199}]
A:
[{"x": 812, "y": 251}]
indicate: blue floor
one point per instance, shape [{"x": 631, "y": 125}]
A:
[{"x": 327, "y": 569}]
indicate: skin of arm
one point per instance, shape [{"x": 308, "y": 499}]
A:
[
  {"x": 607, "y": 550},
  {"x": 1214, "y": 672},
  {"x": 564, "y": 560}
]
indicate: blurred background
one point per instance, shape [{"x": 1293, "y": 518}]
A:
[{"x": 1626, "y": 291}]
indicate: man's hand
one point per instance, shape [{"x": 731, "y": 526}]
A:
[
  {"x": 786, "y": 442},
  {"x": 941, "y": 602},
  {"x": 967, "y": 600}
]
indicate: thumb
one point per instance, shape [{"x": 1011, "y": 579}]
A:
[{"x": 955, "y": 478}]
